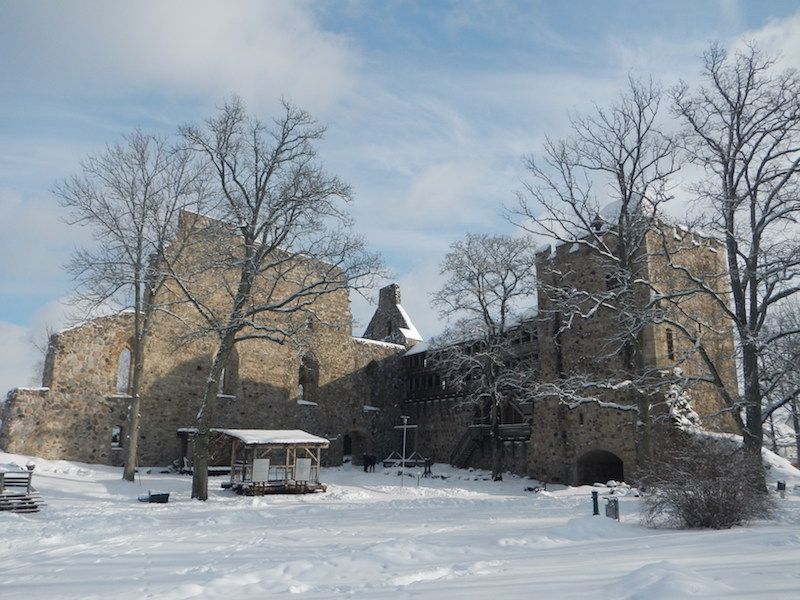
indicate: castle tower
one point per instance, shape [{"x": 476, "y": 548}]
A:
[{"x": 391, "y": 322}]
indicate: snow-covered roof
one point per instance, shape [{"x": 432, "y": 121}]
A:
[
  {"x": 421, "y": 347},
  {"x": 275, "y": 436},
  {"x": 526, "y": 316},
  {"x": 408, "y": 330},
  {"x": 368, "y": 341}
]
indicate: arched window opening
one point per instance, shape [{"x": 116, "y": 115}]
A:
[
  {"x": 124, "y": 371},
  {"x": 670, "y": 345},
  {"x": 116, "y": 437},
  {"x": 389, "y": 328},
  {"x": 308, "y": 379}
]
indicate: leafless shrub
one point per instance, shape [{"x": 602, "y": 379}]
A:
[{"x": 703, "y": 483}]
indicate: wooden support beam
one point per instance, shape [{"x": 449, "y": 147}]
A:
[{"x": 233, "y": 459}]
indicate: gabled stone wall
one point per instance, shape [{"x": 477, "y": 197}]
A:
[{"x": 75, "y": 417}]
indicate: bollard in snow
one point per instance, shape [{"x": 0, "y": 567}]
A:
[
  {"x": 782, "y": 488},
  {"x": 595, "y": 506}
]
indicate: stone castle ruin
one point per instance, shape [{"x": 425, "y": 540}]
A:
[{"x": 353, "y": 390}]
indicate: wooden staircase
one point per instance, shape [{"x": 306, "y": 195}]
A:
[
  {"x": 17, "y": 494},
  {"x": 473, "y": 437},
  {"x": 479, "y": 433}
]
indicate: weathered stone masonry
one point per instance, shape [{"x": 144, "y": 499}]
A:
[{"x": 353, "y": 390}]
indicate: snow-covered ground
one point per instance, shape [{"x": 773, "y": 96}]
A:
[{"x": 367, "y": 537}]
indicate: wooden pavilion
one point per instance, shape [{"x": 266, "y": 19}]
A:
[{"x": 274, "y": 461}]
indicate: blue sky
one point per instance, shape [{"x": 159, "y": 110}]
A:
[{"x": 429, "y": 107}]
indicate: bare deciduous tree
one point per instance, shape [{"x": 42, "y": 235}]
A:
[
  {"x": 282, "y": 242},
  {"x": 743, "y": 129},
  {"x": 600, "y": 192},
  {"x": 488, "y": 278},
  {"x": 779, "y": 370},
  {"x": 130, "y": 196}
]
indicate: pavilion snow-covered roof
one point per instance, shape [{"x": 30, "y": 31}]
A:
[{"x": 275, "y": 437}]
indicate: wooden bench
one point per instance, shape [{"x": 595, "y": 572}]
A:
[
  {"x": 263, "y": 488},
  {"x": 17, "y": 493}
]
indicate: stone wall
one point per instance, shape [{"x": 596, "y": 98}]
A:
[
  {"x": 84, "y": 359},
  {"x": 359, "y": 386},
  {"x": 58, "y": 425},
  {"x": 562, "y": 435},
  {"x": 441, "y": 423},
  {"x": 262, "y": 385},
  {"x": 702, "y": 317}
]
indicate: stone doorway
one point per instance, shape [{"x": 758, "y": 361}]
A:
[
  {"x": 599, "y": 466},
  {"x": 354, "y": 446}
]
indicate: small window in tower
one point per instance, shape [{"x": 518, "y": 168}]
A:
[
  {"x": 670, "y": 345},
  {"x": 124, "y": 371},
  {"x": 389, "y": 328},
  {"x": 116, "y": 437},
  {"x": 308, "y": 379}
]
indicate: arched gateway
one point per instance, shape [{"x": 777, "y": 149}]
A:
[{"x": 599, "y": 466}]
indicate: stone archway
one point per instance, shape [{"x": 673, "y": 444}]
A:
[
  {"x": 354, "y": 444},
  {"x": 599, "y": 466}
]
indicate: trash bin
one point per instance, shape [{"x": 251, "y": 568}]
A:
[{"x": 612, "y": 508}]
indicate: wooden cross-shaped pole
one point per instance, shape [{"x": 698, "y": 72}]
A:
[{"x": 405, "y": 427}]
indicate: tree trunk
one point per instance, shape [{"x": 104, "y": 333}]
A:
[
  {"x": 754, "y": 428},
  {"x": 200, "y": 464},
  {"x": 200, "y": 456},
  {"x": 134, "y": 411},
  {"x": 497, "y": 443},
  {"x": 796, "y": 427}
]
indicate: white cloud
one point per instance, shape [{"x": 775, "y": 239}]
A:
[
  {"x": 18, "y": 358},
  {"x": 781, "y": 38},
  {"x": 416, "y": 286},
  {"x": 257, "y": 49},
  {"x": 431, "y": 151},
  {"x": 38, "y": 243},
  {"x": 438, "y": 191}
]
